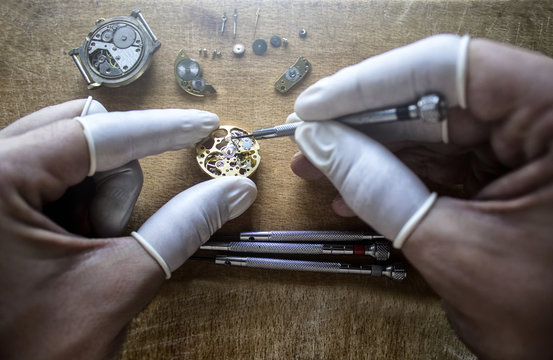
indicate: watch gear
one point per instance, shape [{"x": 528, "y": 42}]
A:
[
  {"x": 221, "y": 155},
  {"x": 116, "y": 51},
  {"x": 189, "y": 76},
  {"x": 259, "y": 47}
]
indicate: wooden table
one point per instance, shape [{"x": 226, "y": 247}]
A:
[{"x": 206, "y": 311}]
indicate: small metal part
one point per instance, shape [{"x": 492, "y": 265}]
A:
[
  {"x": 285, "y": 42},
  {"x": 205, "y": 52},
  {"x": 223, "y": 22},
  {"x": 116, "y": 51},
  {"x": 219, "y": 53},
  {"x": 293, "y": 75},
  {"x": 189, "y": 76},
  {"x": 219, "y": 155},
  {"x": 256, "y": 21},
  {"x": 200, "y": 51},
  {"x": 259, "y": 47},
  {"x": 275, "y": 41},
  {"x": 309, "y": 235},
  {"x": 238, "y": 49},
  {"x": 235, "y": 15},
  {"x": 302, "y": 33},
  {"x": 395, "y": 272}
]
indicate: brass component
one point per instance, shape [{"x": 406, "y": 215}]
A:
[
  {"x": 189, "y": 76},
  {"x": 220, "y": 155},
  {"x": 293, "y": 75}
]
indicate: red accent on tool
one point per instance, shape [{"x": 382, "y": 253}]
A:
[{"x": 358, "y": 249}]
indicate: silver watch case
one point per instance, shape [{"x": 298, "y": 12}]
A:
[{"x": 116, "y": 51}]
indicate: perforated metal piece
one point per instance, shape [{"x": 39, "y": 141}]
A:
[{"x": 219, "y": 155}]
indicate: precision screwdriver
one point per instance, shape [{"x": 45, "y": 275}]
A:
[
  {"x": 430, "y": 108},
  {"x": 379, "y": 250},
  {"x": 309, "y": 236},
  {"x": 395, "y": 271}
]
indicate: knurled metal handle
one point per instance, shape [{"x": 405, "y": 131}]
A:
[
  {"x": 294, "y": 265},
  {"x": 276, "y": 248},
  {"x": 313, "y": 236}
]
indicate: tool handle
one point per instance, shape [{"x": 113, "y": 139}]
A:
[
  {"x": 283, "y": 264},
  {"x": 394, "y": 272},
  {"x": 286, "y": 129},
  {"x": 305, "y": 236},
  {"x": 286, "y": 248}
]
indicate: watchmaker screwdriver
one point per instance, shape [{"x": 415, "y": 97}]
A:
[
  {"x": 309, "y": 236},
  {"x": 379, "y": 250},
  {"x": 395, "y": 271},
  {"x": 430, "y": 108}
]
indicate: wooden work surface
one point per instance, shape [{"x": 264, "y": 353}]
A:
[{"x": 207, "y": 311}]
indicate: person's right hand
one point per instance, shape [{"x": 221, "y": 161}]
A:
[{"x": 487, "y": 257}]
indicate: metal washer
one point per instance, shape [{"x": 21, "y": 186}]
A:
[
  {"x": 259, "y": 47},
  {"x": 276, "y": 41}
]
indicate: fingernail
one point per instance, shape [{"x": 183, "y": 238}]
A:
[
  {"x": 318, "y": 141},
  {"x": 292, "y": 118},
  {"x": 240, "y": 196},
  {"x": 297, "y": 156}
]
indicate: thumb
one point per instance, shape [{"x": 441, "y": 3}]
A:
[
  {"x": 188, "y": 220},
  {"x": 380, "y": 189}
]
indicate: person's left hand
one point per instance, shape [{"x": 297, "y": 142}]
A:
[{"x": 67, "y": 296}]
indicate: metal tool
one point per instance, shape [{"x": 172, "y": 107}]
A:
[
  {"x": 256, "y": 21},
  {"x": 430, "y": 108},
  {"x": 395, "y": 272},
  {"x": 224, "y": 21},
  {"x": 308, "y": 236},
  {"x": 235, "y": 15},
  {"x": 379, "y": 250}
]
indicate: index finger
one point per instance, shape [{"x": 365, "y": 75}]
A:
[
  {"x": 47, "y": 160},
  {"x": 393, "y": 78}
]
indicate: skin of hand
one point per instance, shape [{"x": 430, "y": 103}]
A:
[
  {"x": 488, "y": 255},
  {"x": 65, "y": 296}
]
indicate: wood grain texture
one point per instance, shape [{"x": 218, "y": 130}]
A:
[{"x": 211, "y": 312}]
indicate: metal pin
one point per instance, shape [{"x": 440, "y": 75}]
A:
[
  {"x": 256, "y": 21},
  {"x": 224, "y": 19},
  {"x": 235, "y": 15}
]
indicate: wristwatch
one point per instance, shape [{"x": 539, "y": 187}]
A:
[{"x": 117, "y": 51}]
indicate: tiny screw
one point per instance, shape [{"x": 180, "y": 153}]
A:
[
  {"x": 303, "y": 33},
  {"x": 285, "y": 42}
]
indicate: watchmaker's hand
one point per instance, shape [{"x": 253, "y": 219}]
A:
[
  {"x": 486, "y": 256},
  {"x": 69, "y": 296}
]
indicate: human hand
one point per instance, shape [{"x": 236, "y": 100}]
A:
[
  {"x": 486, "y": 256},
  {"x": 67, "y": 296}
]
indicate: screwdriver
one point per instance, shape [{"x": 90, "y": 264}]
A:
[
  {"x": 309, "y": 235},
  {"x": 378, "y": 250},
  {"x": 395, "y": 271},
  {"x": 430, "y": 108}
]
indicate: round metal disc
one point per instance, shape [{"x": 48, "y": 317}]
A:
[
  {"x": 259, "y": 47},
  {"x": 188, "y": 69},
  {"x": 276, "y": 41},
  {"x": 124, "y": 37},
  {"x": 238, "y": 49}
]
